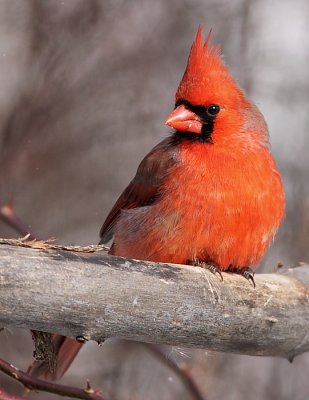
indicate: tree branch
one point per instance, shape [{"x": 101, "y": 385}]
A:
[
  {"x": 99, "y": 296},
  {"x": 37, "y": 384},
  {"x": 8, "y": 216}
]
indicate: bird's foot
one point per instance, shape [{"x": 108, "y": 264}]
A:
[
  {"x": 210, "y": 266},
  {"x": 248, "y": 273}
]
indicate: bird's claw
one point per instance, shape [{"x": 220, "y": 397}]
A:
[
  {"x": 214, "y": 269},
  {"x": 210, "y": 266},
  {"x": 248, "y": 273}
]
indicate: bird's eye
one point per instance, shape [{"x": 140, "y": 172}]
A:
[{"x": 213, "y": 110}]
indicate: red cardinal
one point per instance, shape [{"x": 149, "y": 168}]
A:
[{"x": 210, "y": 194}]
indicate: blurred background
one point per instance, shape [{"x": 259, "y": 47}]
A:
[{"x": 85, "y": 88}]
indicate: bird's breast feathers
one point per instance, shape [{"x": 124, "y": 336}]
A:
[{"x": 213, "y": 205}]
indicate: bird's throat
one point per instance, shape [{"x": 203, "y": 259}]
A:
[{"x": 204, "y": 137}]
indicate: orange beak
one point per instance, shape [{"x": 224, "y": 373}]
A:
[{"x": 184, "y": 120}]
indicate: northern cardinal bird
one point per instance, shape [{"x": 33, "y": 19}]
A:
[{"x": 210, "y": 194}]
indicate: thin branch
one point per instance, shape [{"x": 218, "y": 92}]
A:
[
  {"x": 181, "y": 373},
  {"x": 8, "y": 216},
  {"x": 48, "y": 245},
  {"x": 98, "y": 296},
  {"x": 45, "y": 386}
]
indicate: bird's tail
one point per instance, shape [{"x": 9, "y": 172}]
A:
[{"x": 66, "y": 350}]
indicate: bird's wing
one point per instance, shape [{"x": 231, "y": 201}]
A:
[{"x": 144, "y": 189}]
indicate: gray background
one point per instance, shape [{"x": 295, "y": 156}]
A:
[{"x": 85, "y": 88}]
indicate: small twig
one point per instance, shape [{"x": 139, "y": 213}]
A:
[
  {"x": 8, "y": 216},
  {"x": 182, "y": 375},
  {"x": 47, "y": 245},
  {"x": 37, "y": 384},
  {"x": 31, "y": 240}
]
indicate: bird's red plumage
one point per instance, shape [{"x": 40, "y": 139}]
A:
[
  {"x": 206, "y": 78},
  {"x": 204, "y": 213}
]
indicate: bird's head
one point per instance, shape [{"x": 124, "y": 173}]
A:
[{"x": 209, "y": 103}]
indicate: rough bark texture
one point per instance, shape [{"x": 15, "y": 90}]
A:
[{"x": 99, "y": 296}]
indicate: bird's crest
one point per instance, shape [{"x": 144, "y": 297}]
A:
[{"x": 206, "y": 79}]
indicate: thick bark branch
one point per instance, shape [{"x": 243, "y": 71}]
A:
[{"x": 99, "y": 296}]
